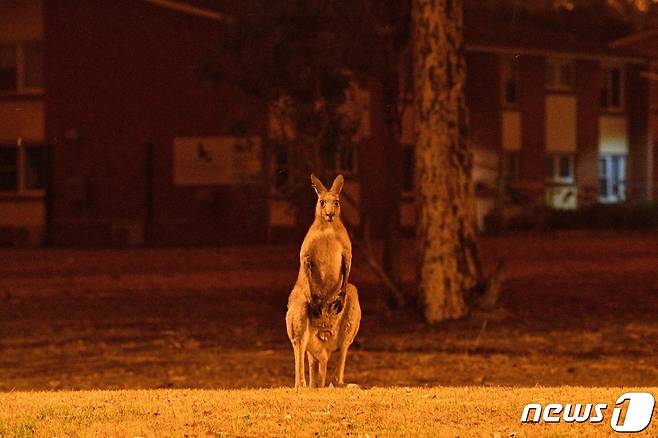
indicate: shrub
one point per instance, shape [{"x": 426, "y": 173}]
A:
[{"x": 609, "y": 216}]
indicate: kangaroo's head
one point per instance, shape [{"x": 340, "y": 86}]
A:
[{"x": 328, "y": 206}]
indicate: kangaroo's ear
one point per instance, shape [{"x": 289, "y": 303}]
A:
[
  {"x": 317, "y": 185},
  {"x": 337, "y": 186}
]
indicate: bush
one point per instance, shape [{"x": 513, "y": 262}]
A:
[
  {"x": 612, "y": 216},
  {"x": 628, "y": 216}
]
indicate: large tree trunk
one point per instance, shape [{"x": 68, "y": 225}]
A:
[{"x": 448, "y": 258}]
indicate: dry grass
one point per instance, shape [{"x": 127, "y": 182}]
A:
[
  {"x": 440, "y": 411},
  {"x": 576, "y": 306}
]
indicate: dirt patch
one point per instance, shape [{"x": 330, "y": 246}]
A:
[{"x": 578, "y": 309}]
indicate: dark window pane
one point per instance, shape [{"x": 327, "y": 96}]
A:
[
  {"x": 565, "y": 167},
  {"x": 615, "y": 173},
  {"x": 408, "y": 170},
  {"x": 329, "y": 151},
  {"x": 347, "y": 159},
  {"x": 616, "y": 87},
  {"x": 604, "y": 97},
  {"x": 509, "y": 80},
  {"x": 281, "y": 167},
  {"x": 603, "y": 167},
  {"x": 36, "y": 167},
  {"x": 510, "y": 91},
  {"x": 33, "y": 66},
  {"x": 8, "y": 169},
  {"x": 8, "y": 72},
  {"x": 511, "y": 165},
  {"x": 603, "y": 188},
  {"x": 548, "y": 163},
  {"x": 550, "y": 74},
  {"x": 565, "y": 75}
]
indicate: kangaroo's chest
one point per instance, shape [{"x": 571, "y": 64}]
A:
[{"x": 326, "y": 252}]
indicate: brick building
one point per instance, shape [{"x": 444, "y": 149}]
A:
[{"x": 143, "y": 150}]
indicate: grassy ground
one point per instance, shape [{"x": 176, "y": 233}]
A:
[{"x": 440, "y": 411}]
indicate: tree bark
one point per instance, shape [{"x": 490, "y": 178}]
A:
[{"x": 449, "y": 267}]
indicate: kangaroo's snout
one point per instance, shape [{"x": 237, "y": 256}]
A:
[{"x": 328, "y": 207}]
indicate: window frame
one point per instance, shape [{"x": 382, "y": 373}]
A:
[
  {"x": 411, "y": 150},
  {"x": 606, "y": 87},
  {"x": 509, "y": 71},
  {"x": 619, "y": 179},
  {"x": 338, "y": 165},
  {"x": 557, "y": 64},
  {"x": 282, "y": 150},
  {"x": 511, "y": 174},
  {"x": 21, "y": 87},
  {"x": 21, "y": 175},
  {"x": 554, "y": 176}
]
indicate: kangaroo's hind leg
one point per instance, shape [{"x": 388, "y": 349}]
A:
[
  {"x": 322, "y": 372},
  {"x": 342, "y": 358},
  {"x": 348, "y": 330},
  {"x": 297, "y": 327},
  {"x": 299, "y": 349},
  {"x": 312, "y": 370}
]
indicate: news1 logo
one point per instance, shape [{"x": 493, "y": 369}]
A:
[{"x": 638, "y": 412}]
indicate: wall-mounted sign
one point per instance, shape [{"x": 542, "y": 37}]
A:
[{"x": 216, "y": 160}]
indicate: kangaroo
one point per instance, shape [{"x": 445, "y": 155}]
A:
[
  {"x": 326, "y": 241},
  {"x": 323, "y": 308}
]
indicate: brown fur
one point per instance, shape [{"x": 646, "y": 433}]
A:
[{"x": 323, "y": 309}]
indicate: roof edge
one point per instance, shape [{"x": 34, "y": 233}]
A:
[
  {"x": 554, "y": 53},
  {"x": 634, "y": 38},
  {"x": 186, "y": 8}
]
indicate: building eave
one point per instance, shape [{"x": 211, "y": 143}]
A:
[
  {"x": 188, "y": 9},
  {"x": 554, "y": 53},
  {"x": 635, "y": 38}
]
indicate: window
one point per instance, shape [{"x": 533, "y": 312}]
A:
[
  {"x": 341, "y": 158},
  {"x": 559, "y": 74},
  {"x": 510, "y": 80},
  {"x": 35, "y": 167},
  {"x": 346, "y": 159},
  {"x": 560, "y": 168},
  {"x": 408, "y": 158},
  {"x": 511, "y": 165},
  {"x": 33, "y": 66},
  {"x": 8, "y": 169},
  {"x": 23, "y": 168},
  {"x": 286, "y": 157},
  {"x": 612, "y": 178},
  {"x": 21, "y": 68},
  {"x": 612, "y": 93},
  {"x": 8, "y": 68},
  {"x": 280, "y": 167}
]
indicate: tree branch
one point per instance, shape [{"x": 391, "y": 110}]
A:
[{"x": 365, "y": 248}]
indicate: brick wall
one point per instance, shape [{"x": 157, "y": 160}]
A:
[
  {"x": 588, "y": 88},
  {"x": 120, "y": 75},
  {"x": 532, "y": 72},
  {"x": 637, "y": 104}
]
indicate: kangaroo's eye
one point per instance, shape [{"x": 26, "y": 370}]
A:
[
  {"x": 322, "y": 203},
  {"x": 336, "y": 203}
]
